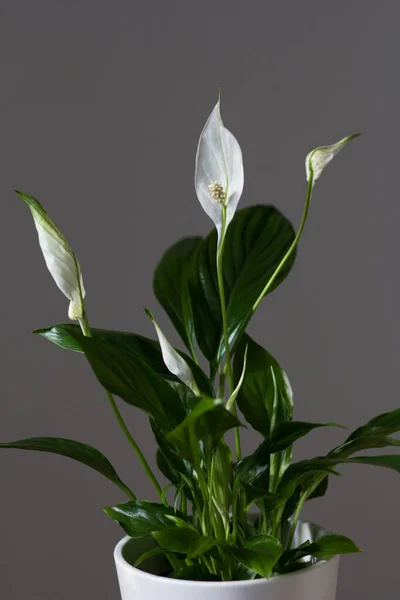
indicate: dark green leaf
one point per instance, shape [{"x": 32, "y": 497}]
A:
[
  {"x": 323, "y": 549},
  {"x": 383, "y": 425},
  {"x": 222, "y": 474},
  {"x": 76, "y": 450},
  {"x": 157, "y": 551},
  {"x": 124, "y": 374},
  {"x": 254, "y": 493},
  {"x": 263, "y": 377},
  {"x": 139, "y": 518},
  {"x": 321, "y": 489},
  {"x": 320, "y": 465},
  {"x": 364, "y": 442},
  {"x": 206, "y": 423},
  {"x": 260, "y": 553},
  {"x": 170, "y": 286},
  {"x": 70, "y": 336},
  {"x": 287, "y": 432},
  {"x": 256, "y": 241},
  {"x": 194, "y": 572},
  {"x": 184, "y": 540}
]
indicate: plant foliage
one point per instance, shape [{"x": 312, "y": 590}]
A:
[{"x": 210, "y": 287}]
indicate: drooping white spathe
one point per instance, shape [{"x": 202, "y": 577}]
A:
[
  {"x": 218, "y": 160},
  {"x": 317, "y": 159},
  {"x": 173, "y": 360},
  {"x": 60, "y": 260}
]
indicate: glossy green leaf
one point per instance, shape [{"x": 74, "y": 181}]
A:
[
  {"x": 206, "y": 423},
  {"x": 364, "y": 442},
  {"x": 139, "y": 518},
  {"x": 222, "y": 467},
  {"x": 70, "y": 336},
  {"x": 287, "y": 432},
  {"x": 320, "y": 490},
  {"x": 259, "y": 554},
  {"x": 255, "y": 493},
  {"x": 157, "y": 551},
  {"x": 124, "y": 374},
  {"x": 71, "y": 449},
  {"x": 382, "y": 425},
  {"x": 171, "y": 289},
  {"x": 320, "y": 465},
  {"x": 323, "y": 549},
  {"x": 257, "y": 394},
  {"x": 256, "y": 241},
  {"x": 184, "y": 540},
  {"x": 195, "y": 572}
]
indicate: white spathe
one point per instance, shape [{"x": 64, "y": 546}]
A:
[
  {"x": 172, "y": 359},
  {"x": 60, "y": 260},
  {"x": 317, "y": 159},
  {"x": 219, "y": 166}
]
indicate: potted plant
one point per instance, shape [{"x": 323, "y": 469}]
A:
[{"x": 227, "y": 525}]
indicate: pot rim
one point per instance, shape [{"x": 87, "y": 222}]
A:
[{"x": 122, "y": 562}]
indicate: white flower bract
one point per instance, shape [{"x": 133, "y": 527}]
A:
[
  {"x": 317, "y": 159},
  {"x": 219, "y": 176},
  {"x": 172, "y": 359},
  {"x": 60, "y": 260}
]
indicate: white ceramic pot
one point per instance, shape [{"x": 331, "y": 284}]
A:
[{"x": 316, "y": 582}]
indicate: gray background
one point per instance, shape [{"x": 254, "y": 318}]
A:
[{"x": 101, "y": 106}]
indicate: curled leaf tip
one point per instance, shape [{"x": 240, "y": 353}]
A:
[{"x": 149, "y": 314}]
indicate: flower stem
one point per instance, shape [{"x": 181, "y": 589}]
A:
[
  {"x": 134, "y": 445},
  {"x": 83, "y": 322},
  {"x": 220, "y": 275},
  {"x": 290, "y": 250},
  {"x": 296, "y": 518}
]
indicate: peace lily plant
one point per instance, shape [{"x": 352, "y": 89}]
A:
[{"x": 210, "y": 287}]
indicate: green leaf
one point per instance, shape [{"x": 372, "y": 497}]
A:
[
  {"x": 70, "y": 336},
  {"x": 184, "y": 540},
  {"x": 287, "y": 432},
  {"x": 76, "y": 450},
  {"x": 323, "y": 549},
  {"x": 260, "y": 554},
  {"x": 206, "y": 423},
  {"x": 122, "y": 373},
  {"x": 320, "y": 490},
  {"x": 139, "y": 518},
  {"x": 157, "y": 551},
  {"x": 222, "y": 474},
  {"x": 256, "y": 241},
  {"x": 363, "y": 443},
  {"x": 257, "y": 394},
  {"x": 382, "y": 425},
  {"x": 194, "y": 572},
  {"x": 171, "y": 288},
  {"x": 297, "y": 472},
  {"x": 255, "y": 493}
]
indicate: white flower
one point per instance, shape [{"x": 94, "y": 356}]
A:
[
  {"x": 317, "y": 159},
  {"x": 172, "y": 359},
  {"x": 219, "y": 174},
  {"x": 60, "y": 260}
]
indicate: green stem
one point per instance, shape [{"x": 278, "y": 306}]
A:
[
  {"x": 296, "y": 518},
  {"x": 220, "y": 275},
  {"x": 292, "y": 247},
  {"x": 134, "y": 445},
  {"x": 83, "y": 322}
]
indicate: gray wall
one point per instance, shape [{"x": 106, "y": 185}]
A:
[{"x": 101, "y": 107}]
